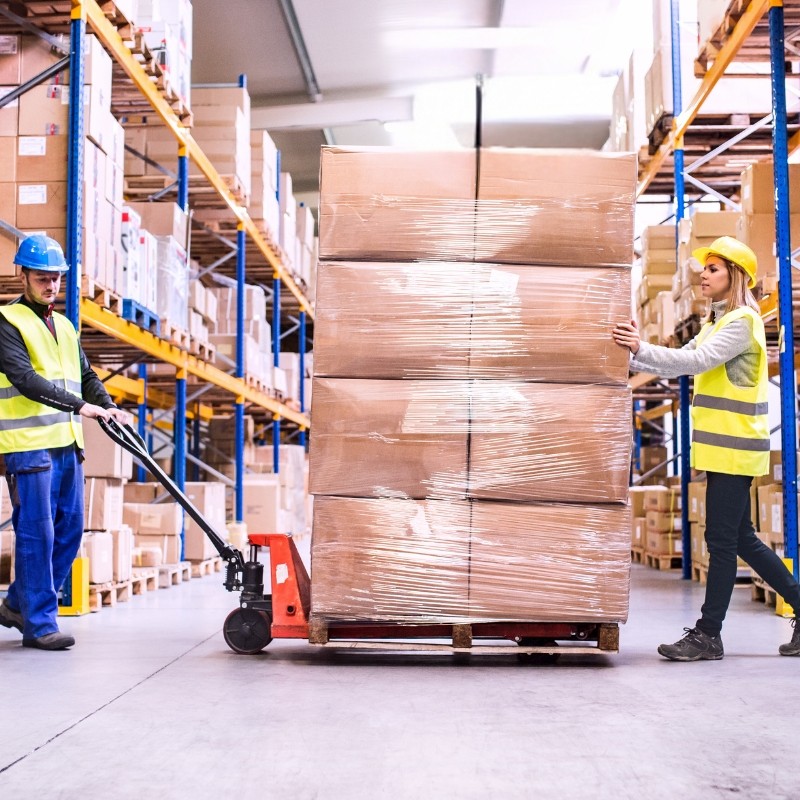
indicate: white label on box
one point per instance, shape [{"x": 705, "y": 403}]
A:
[
  {"x": 777, "y": 518},
  {"x": 777, "y": 472},
  {"x": 281, "y": 573},
  {"x": 8, "y": 45},
  {"x": 32, "y": 146},
  {"x": 503, "y": 282},
  {"x": 33, "y": 195},
  {"x": 678, "y": 546}
]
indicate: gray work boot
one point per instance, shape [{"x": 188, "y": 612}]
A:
[
  {"x": 793, "y": 647},
  {"x": 50, "y": 641},
  {"x": 694, "y": 646},
  {"x": 9, "y": 618}
]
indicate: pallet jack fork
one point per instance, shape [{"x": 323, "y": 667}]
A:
[{"x": 260, "y": 617}]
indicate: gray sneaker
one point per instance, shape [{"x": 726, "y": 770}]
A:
[
  {"x": 50, "y": 641},
  {"x": 793, "y": 647},
  {"x": 694, "y": 646},
  {"x": 9, "y": 618}
]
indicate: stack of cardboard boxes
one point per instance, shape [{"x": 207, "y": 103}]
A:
[
  {"x": 33, "y": 166},
  {"x": 654, "y": 296},
  {"x": 455, "y": 431},
  {"x": 264, "y": 208},
  {"x": 663, "y": 521}
]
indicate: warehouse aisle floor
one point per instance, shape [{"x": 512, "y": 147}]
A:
[{"x": 151, "y": 703}]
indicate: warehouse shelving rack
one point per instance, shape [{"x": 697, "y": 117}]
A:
[
  {"x": 773, "y": 309},
  {"x": 135, "y": 344}
]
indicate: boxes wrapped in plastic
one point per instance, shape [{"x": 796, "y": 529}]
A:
[
  {"x": 504, "y": 440},
  {"x": 458, "y": 320},
  {"x": 568, "y": 207},
  {"x": 439, "y": 561},
  {"x": 173, "y": 283}
]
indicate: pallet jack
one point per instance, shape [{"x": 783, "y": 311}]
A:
[{"x": 285, "y": 613}]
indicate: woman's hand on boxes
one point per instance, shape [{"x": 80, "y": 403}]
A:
[{"x": 626, "y": 334}]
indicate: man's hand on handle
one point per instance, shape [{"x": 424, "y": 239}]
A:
[
  {"x": 96, "y": 412},
  {"x": 626, "y": 334}
]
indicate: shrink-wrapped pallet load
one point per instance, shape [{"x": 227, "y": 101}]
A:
[{"x": 471, "y": 440}]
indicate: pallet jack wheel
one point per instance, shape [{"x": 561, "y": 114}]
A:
[
  {"x": 247, "y": 631},
  {"x": 538, "y": 658}
]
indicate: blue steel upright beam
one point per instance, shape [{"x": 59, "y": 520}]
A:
[
  {"x": 180, "y": 378},
  {"x": 276, "y": 360},
  {"x": 141, "y": 472},
  {"x": 75, "y": 168},
  {"x": 680, "y": 209},
  {"x": 785, "y": 316},
  {"x": 241, "y": 246},
  {"x": 302, "y": 370}
]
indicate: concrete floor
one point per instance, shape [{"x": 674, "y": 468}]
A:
[{"x": 151, "y": 703}]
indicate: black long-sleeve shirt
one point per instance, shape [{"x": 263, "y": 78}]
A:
[{"x": 15, "y": 362}]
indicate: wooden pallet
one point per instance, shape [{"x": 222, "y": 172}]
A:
[
  {"x": 144, "y": 579},
  {"x": 203, "y": 350},
  {"x": 206, "y": 567},
  {"x": 108, "y": 594},
  {"x": 102, "y": 295},
  {"x": 700, "y": 573},
  {"x": 637, "y": 555},
  {"x": 174, "y": 574},
  {"x": 710, "y": 49},
  {"x": 662, "y": 562},
  {"x": 201, "y": 192},
  {"x": 177, "y": 336}
]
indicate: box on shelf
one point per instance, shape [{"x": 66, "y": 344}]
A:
[
  {"x": 154, "y": 519},
  {"x": 98, "y": 547},
  {"x": 697, "y": 502},
  {"x": 209, "y": 499},
  {"x": 147, "y": 555},
  {"x": 102, "y": 501},
  {"x": 168, "y": 547},
  {"x": 663, "y": 543},
  {"x": 104, "y": 458},
  {"x": 122, "y": 537}
]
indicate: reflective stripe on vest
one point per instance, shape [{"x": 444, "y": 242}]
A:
[
  {"x": 730, "y": 425},
  {"x": 26, "y": 424}
]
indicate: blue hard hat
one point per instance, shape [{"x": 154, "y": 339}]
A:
[{"x": 41, "y": 253}]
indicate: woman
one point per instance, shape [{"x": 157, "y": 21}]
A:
[{"x": 730, "y": 436}]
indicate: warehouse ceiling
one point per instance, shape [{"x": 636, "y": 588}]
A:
[{"x": 404, "y": 72}]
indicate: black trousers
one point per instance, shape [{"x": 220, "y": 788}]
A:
[{"x": 729, "y": 532}]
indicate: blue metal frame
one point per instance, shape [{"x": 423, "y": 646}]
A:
[
  {"x": 302, "y": 369},
  {"x": 74, "y": 242},
  {"x": 141, "y": 472},
  {"x": 680, "y": 210},
  {"x": 785, "y": 315},
  {"x": 276, "y": 359},
  {"x": 241, "y": 246}
]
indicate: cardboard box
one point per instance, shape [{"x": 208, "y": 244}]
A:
[
  {"x": 661, "y": 498},
  {"x": 699, "y": 546},
  {"x": 262, "y": 504},
  {"x": 396, "y": 205},
  {"x": 663, "y": 521},
  {"x": 141, "y": 492},
  {"x": 147, "y": 555},
  {"x": 98, "y": 547},
  {"x": 152, "y": 519},
  {"x": 544, "y": 442},
  {"x": 209, "y": 499},
  {"x": 370, "y": 557},
  {"x": 8, "y": 164},
  {"x": 636, "y": 495},
  {"x": 104, "y": 458},
  {"x": 758, "y": 232},
  {"x": 168, "y": 546},
  {"x": 547, "y": 562},
  {"x": 659, "y": 237},
  {"x": 42, "y": 205},
  {"x": 639, "y": 532},
  {"x": 406, "y": 437},
  {"x": 163, "y": 219},
  {"x": 123, "y": 553},
  {"x": 8, "y": 213},
  {"x": 447, "y": 319},
  {"x": 10, "y": 59},
  {"x": 102, "y": 503},
  {"x": 697, "y": 501},
  {"x": 663, "y": 543},
  {"x": 44, "y": 111},
  {"x": 758, "y": 188}
]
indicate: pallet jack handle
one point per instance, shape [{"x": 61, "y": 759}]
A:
[{"x": 128, "y": 438}]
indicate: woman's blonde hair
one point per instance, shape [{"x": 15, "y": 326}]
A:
[{"x": 740, "y": 294}]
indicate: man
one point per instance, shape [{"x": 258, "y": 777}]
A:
[{"x": 46, "y": 386}]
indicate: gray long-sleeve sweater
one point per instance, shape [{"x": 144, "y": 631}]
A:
[{"x": 733, "y": 346}]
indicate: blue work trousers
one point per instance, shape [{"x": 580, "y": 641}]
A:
[{"x": 46, "y": 489}]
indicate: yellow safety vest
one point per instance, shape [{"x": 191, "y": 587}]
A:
[
  {"x": 25, "y": 424},
  {"x": 730, "y": 424}
]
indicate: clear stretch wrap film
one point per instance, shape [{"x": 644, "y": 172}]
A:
[
  {"x": 173, "y": 283},
  {"x": 502, "y": 440},
  {"x": 459, "y": 561},
  {"x": 519, "y": 206},
  {"x": 458, "y": 320}
]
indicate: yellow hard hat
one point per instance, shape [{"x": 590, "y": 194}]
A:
[{"x": 731, "y": 250}]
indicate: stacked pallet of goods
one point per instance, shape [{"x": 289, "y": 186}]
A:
[{"x": 464, "y": 373}]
